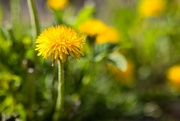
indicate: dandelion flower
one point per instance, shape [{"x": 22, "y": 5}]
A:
[
  {"x": 99, "y": 30},
  {"x": 57, "y": 4},
  {"x": 109, "y": 35},
  {"x": 60, "y": 41},
  {"x": 173, "y": 75},
  {"x": 92, "y": 27},
  {"x": 151, "y": 8}
]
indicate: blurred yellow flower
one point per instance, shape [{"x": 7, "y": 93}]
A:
[
  {"x": 92, "y": 27},
  {"x": 151, "y": 8},
  {"x": 109, "y": 35},
  {"x": 173, "y": 74},
  {"x": 60, "y": 41},
  {"x": 57, "y": 4},
  {"x": 99, "y": 30},
  {"x": 126, "y": 76}
]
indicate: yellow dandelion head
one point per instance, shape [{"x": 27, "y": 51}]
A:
[
  {"x": 60, "y": 41},
  {"x": 151, "y": 8},
  {"x": 92, "y": 27},
  {"x": 108, "y": 35},
  {"x": 173, "y": 74},
  {"x": 57, "y": 4}
]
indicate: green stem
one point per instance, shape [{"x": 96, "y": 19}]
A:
[
  {"x": 58, "y": 15},
  {"x": 60, "y": 95},
  {"x": 1, "y": 14},
  {"x": 15, "y": 13},
  {"x": 34, "y": 18},
  {"x": 15, "y": 19}
]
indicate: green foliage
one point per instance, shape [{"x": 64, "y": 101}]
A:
[
  {"x": 84, "y": 14},
  {"x": 118, "y": 60}
]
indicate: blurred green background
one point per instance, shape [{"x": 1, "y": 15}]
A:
[{"x": 134, "y": 79}]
